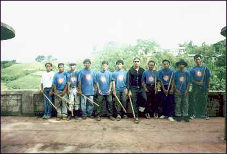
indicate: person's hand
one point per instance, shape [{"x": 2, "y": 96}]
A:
[
  {"x": 165, "y": 92},
  {"x": 186, "y": 93},
  {"x": 79, "y": 92},
  {"x": 108, "y": 93},
  {"x": 50, "y": 93},
  {"x": 178, "y": 92},
  {"x": 126, "y": 91},
  {"x": 129, "y": 93},
  {"x": 63, "y": 93},
  {"x": 114, "y": 92},
  {"x": 146, "y": 90},
  {"x": 171, "y": 91},
  {"x": 100, "y": 92},
  {"x": 156, "y": 90},
  {"x": 41, "y": 90}
]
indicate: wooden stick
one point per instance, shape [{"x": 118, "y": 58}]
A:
[
  {"x": 49, "y": 101},
  {"x": 169, "y": 82},
  {"x": 155, "y": 81},
  {"x": 63, "y": 101},
  {"x": 120, "y": 103},
  {"x": 132, "y": 107}
]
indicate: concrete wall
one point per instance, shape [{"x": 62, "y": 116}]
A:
[{"x": 30, "y": 103}]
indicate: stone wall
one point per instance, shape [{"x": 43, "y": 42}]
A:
[{"x": 30, "y": 103}]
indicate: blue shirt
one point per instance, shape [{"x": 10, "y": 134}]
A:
[
  {"x": 182, "y": 79},
  {"x": 87, "y": 79},
  {"x": 104, "y": 80},
  {"x": 119, "y": 77},
  {"x": 72, "y": 78},
  {"x": 165, "y": 75},
  {"x": 60, "y": 80},
  {"x": 197, "y": 74},
  {"x": 149, "y": 77}
]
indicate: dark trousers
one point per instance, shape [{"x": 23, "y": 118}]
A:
[
  {"x": 122, "y": 96},
  {"x": 167, "y": 103},
  {"x": 151, "y": 104},
  {"x": 109, "y": 105},
  {"x": 136, "y": 94},
  {"x": 199, "y": 103}
]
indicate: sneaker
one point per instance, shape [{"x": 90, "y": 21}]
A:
[
  {"x": 76, "y": 117},
  {"x": 64, "y": 117},
  {"x": 98, "y": 118},
  {"x": 162, "y": 117},
  {"x": 84, "y": 117},
  {"x": 118, "y": 117},
  {"x": 186, "y": 119},
  {"x": 112, "y": 118},
  {"x": 69, "y": 117},
  {"x": 192, "y": 117},
  {"x": 58, "y": 118},
  {"x": 125, "y": 116},
  {"x": 207, "y": 118},
  {"x": 156, "y": 115},
  {"x": 171, "y": 119},
  {"x": 136, "y": 120},
  {"x": 147, "y": 115},
  {"x": 178, "y": 119},
  {"x": 141, "y": 109},
  {"x": 44, "y": 117},
  {"x": 48, "y": 117}
]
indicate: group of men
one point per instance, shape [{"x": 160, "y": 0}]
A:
[{"x": 136, "y": 89}]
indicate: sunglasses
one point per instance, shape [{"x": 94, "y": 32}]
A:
[{"x": 136, "y": 61}]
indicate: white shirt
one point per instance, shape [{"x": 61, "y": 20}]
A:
[{"x": 47, "y": 79}]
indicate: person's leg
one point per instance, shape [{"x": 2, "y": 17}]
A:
[
  {"x": 163, "y": 104},
  {"x": 99, "y": 109},
  {"x": 203, "y": 103},
  {"x": 170, "y": 105},
  {"x": 64, "y": 107},
  {"x": 45, "y": 101},
  {"x": 71, "y": 104},
  {"x": 185, "y": 108},
  {"x": 83, "y": 106},
  {"x": 154, "y": 103},
  {"x": 177, "y": 106},
  {"x": 90, "y": 106},
  {"x": 135, "y": 103},
  {"x": 117, "y": 105},
  {"x": 197, "y": 101},
  {"x": 58, "y": 106},
  {"x": 77, "y": 103},
  {"x": 124, "y": 102},
  {"x": 49, "y": 106}
]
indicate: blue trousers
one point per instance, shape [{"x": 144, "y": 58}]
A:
[
  {"x": 47, "y": 105},
  {"x": 167, "y": 103},
  {"x": 86, "y": 106}
]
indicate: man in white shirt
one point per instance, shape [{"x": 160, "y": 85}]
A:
[{"x": 46, "y": 84}]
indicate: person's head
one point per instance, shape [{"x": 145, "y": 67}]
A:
[
  {"x": 87, "y": 63},
  {"x": 105, "y": 65},
  {"x": 72, "y": 66},
  {"x": 198, "y": 59},
  {"x": 151, "y": 64},
  {"x": 136, "y": 61},
  {"x": 120, "y": 64},
  {"x": 48, "y": 67},
  {"x": 61, "y": 67},
  {"x": 165, "y": 63},
  {"x": 181, "y": 64}
]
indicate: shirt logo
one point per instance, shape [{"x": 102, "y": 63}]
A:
[
  {"x": 199, "y": 74},
  {"x": 151, "y": 79},
  {"x": 103, "y": 79},
  {"x": 73, "y": 79},
  {"x": 88, "y": 76},
  {"x": 166, "y": 78},
  {"x": 120, "y": 77},
  {"x": 181, "y": 79},
  {"x": 61, "y": 80}
]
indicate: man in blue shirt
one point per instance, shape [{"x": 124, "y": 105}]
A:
[
  {"x": 119, "y": 88},
  {"x": 72, "y": 81},
  {"x": 60, "y": 88},
  {"x": 104, "y": 86},
  {"x": 200, "y": 75},
  {"x": 86, "y": 85},
  {"x": 150, "y": 85},
  {"x": 181, "y": 85},
  {"x": 165, "y": 78}
]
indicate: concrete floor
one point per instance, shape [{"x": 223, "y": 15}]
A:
[{"x": 32, "y": 134}]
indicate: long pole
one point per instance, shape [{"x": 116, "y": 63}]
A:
[
  {"x": 169, "y": 82},
  {"x": 49, "y": 101},
  {"x": 120, "y": 103},
  {"x": 132, "y": 107}
]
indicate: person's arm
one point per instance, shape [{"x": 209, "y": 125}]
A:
[{"x": 128, "y": 81}]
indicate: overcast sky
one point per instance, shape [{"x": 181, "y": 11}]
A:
[{"x": 70, "y": 30}]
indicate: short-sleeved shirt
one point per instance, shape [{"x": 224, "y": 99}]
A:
[
  {"x": 87, "y": 79},
  {"x": 72, "y": 78},
  {"x": 181, "y": 80},
  {"x": 165, "y": 75},
  {"x": 104, "y": 80},
  {"x": 47, "y": 79},
  {"x": 149, "y": 77},
  {"x": 119, "y": 77},
  {"x": 60, "y": 80},
  {"x": 197, "y": 74}
]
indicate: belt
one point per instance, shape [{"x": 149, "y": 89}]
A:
[{"x": 47, "y": 87}]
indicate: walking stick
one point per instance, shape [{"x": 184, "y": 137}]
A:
[
  {"x": 132, "y": 107},
  {"x": 63, "y": 101},
  {"x": 155, "y": 81},
  {"x": 120, "y": 103},
  {"x": 49, "y": 101},
  {"x": 89, "y": 99},
  {"x": 169, "y": 82}
]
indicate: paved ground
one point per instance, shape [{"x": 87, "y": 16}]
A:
[{"x": 31, "y": 134}]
